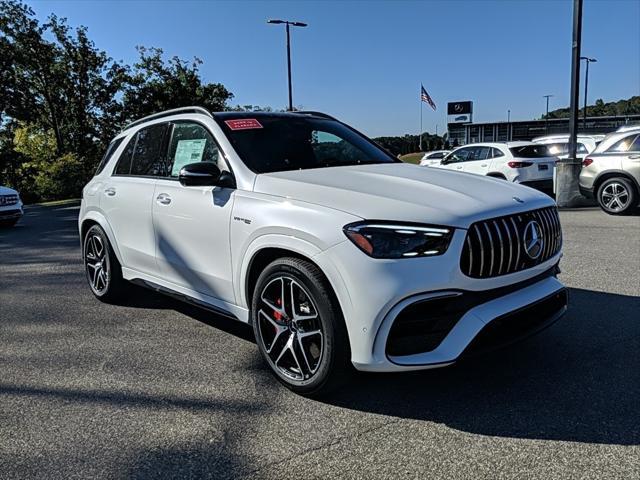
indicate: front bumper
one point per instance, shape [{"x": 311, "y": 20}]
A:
[
  {"x": 372, "y": 293},
  {"x": 11, "y": 213}
]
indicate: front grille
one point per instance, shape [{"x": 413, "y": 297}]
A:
[
  {"x": 504, "y": 245},
  {"x": 8, "y": 200}
]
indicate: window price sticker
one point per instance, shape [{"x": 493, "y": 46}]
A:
[{"x": 243, "y": 124}]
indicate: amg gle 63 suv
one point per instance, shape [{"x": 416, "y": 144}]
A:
[{"x": 335, "y": 252}]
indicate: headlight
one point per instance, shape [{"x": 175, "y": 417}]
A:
[{"x": 394, "y": 240}]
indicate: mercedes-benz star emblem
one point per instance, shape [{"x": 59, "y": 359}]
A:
[
  {"x": 518, "y": 199},
  {"x": 533, "y": 241},
  {"x": 457, "y": 107}
]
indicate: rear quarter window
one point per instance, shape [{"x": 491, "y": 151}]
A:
[{"x": 111, "y": 149}]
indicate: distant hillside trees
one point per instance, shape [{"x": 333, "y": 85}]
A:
[{"x": 601, "y": 109}]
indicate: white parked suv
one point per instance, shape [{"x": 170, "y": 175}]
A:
[
  {"x": 558, "y": 145},
  {"x": 433, "y": 157},
  {"x": 336, "y": 253},
  {"x": 10, "y": 207},
  {"x": 527, "y": 163}
]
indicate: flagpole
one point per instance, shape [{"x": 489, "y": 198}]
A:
[{"x": 420, "y": 134}]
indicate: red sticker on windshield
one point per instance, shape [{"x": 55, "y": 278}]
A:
[{"x": 244, "y": 124}]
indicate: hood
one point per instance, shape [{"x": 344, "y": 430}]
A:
[
  {"x": 7, "y": 191},
  {"x": 403, "y": 192}
]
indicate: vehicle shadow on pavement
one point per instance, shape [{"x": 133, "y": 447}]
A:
[{"x": 578, "y": 381}]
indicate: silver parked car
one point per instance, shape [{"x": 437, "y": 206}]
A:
[{"x": 612, "y": 173}]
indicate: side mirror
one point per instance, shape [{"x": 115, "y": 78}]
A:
[
  {"x": 444, "y": 160},
  {"x": 200, "y": 174}
]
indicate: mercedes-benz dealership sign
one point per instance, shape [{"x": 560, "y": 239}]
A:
[{"x": 460, "y": 112}]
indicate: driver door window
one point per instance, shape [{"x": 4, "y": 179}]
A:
[{"x": 191, "y": 143}]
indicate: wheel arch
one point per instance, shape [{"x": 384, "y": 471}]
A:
[{"x": 95, "y": 218}]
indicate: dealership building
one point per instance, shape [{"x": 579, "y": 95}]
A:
[{"x": 462, "y": 130}]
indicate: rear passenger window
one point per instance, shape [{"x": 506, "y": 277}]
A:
[
  {"x": 635, "y": 146},
  {"x": 144, "y": 154},
  {"x": 147, "y": 154},
  {"x": 191, "y": 143}
]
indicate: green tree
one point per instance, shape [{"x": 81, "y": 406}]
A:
[{"x": 154, "y": 85}]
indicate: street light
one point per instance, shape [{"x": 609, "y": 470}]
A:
[
  {"x": 546, "y": 117},
  {"x": 586, "y": 85},
  {"x": 295, "y": 24}
]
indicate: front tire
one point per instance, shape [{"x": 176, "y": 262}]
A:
[
  {"x": 617, "y": 196},
  {"x": 103, "y": 270},
  {"x": 299, "y": 327}
]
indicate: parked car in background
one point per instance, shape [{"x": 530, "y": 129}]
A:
[
  {"x": 433, "y": 157},
  {"x": 10, "y": 207},
  {"x": 527, "y": 163},
  {"x": 629, "y": 127},
  {"x": 611, "y": 173},
  {"x": 335, "y": 252},
  {"x": 558, "y": 145}
]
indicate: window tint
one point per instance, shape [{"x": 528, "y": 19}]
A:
[
  {"x": 622, "y": 145},
  {"x": 436, "y": 155},
  {"x": 635, "y": 146},
  {"x": 530, "y": 151},
  {"x": 147, "y": 154},
  {"x": 191, "y": 143},
  {"x": 113, "y": 146},
  {"x": 124, "y": 163}
]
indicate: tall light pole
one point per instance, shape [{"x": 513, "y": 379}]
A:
[
  {"x": 568, "y": 170},
  {"x": 508, "y": 125},
  {"x": 586, "y": 85},
  {"x": 546, "y": 117},
  {"x": 295, "y": 24}
]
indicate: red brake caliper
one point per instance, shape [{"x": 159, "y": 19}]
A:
[{"x": 277, "y": 315}]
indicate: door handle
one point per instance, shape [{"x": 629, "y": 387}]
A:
[
  {"x": 110, "y": 191},
  {"x": 483, "y": 165},
  {"x": 459, "y": 167},
  {"x": 634, "y": 157},
  {"x": 163, "y": 199}
]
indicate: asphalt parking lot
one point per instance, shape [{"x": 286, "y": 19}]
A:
[{"x": 160, "y": 389}]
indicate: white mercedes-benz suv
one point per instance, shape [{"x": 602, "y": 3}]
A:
[{"x": 333, "y": 250}]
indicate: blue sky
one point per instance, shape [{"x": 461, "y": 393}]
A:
[{"x": 363, "y": 61}]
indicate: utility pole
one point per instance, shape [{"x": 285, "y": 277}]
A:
[
  {"x": 508, "y": 125},
  {"x": 295, "y": 24},
  {"x": 568, "y": 170},
  {"x": 546, "y": 117},
  {"x": 586, "y": 86}
]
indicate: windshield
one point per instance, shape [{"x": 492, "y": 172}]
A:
[{"x": 285, "y": 142}]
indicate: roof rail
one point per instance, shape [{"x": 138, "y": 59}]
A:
[
  {"x": 168, "y": 113},
  {"x": 317, "y": 114}
]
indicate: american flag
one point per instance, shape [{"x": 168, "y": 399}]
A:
[{"x": 424, "y": 96}]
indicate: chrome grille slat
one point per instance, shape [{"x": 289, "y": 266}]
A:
[
  {"x": 497, "y": 228},
  {"x": 470, "y": 254},
  {"x": 491, "y": 249},
  {"x": 506, "y": 227},
  {"x": 502, "y": 250},
  {"x": 481, "y": 250}
]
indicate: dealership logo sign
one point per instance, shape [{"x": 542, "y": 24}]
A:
[{"x": 533, "y": 241}]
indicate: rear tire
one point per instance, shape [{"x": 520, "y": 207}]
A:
[
  {"x": 299, "y": 327},
  {"x": 617, "y": 196},
  {"x": 104, "y": 273}
]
